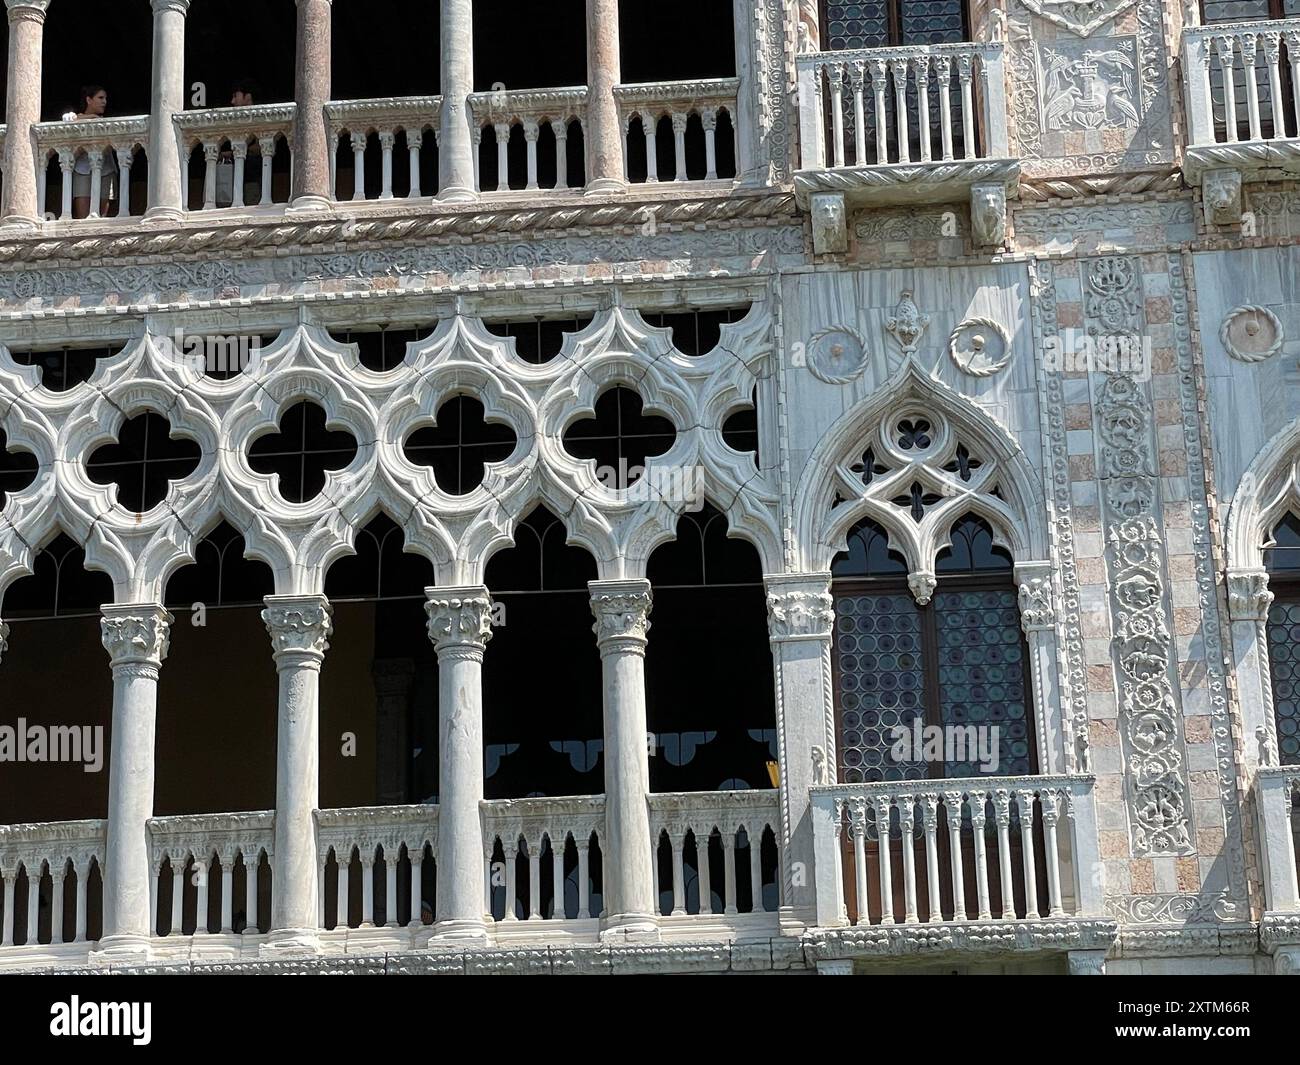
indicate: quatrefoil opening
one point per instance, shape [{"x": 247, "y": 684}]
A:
[
  {"x": 461, "y": 445},
  {"x": 143, "y": 462},
  {"x": 302, "y": 453}
]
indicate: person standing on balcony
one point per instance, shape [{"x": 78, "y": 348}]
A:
[
  {"x": 242, "y": 94},
  {"x": 93, "y": 105}
]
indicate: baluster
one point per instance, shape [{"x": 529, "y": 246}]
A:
[
  {"x": 952, "y": 811},
  {"x": 964, "y": 69},
  {"x": 1276, "y": 108},
  {"x": 155, "y": 918},
  {"x": 676, "y": 845},
  {"x": 1002, "y": 813},
  {"x": 857, "y": 82},
  {"x": 391, "y": 855},
  {"x": 943, "y": 86},
  {"x": 858, "y": 830},
  {"x": 239, "y": 151},
  {"x": 358, "y": 167},
  {"x": 702, "y": 872},
  {"x": 584, "y": 878},
  {"x": 898, "y": 66},
  {"x": 557, "y": 877},
  {"x": 835, "y": 71},
  {"x": 534, "y": 878},
  {"x": 878, "y": 73},
  {"x": 1050, "y": 801},
  {"x": 125, "y": 157},
  {"x": 841, "y": 908},
  {"x": 267, "y": 147},
  {"x": 1248, "y": 58},
  {"x": 1204, "y": 55},
  {"x": 709, "y": 120},
  {"x": 56, "y": 902},
  {"x": 881, "y": 804},
  {"x": 416, "y": 860},
  {"x": 41, "y": 191},
  {"x": 560, "y": 129},
  {"x": 512, "y": 861},
  {"x": 756, "y": 871},
  {"x": 386, "y": 141},
  {"x": 66, "y": 160},
  {"x": 227, "y": 859},
  {"x": 502, "y": 131},
  {"x": 906, "y": 827},
  {"x": 487, "y": 878},
  {"x": 251, "y": 916},
  {"x": 923, "y": 95},
  {"x": 96, "y": 157},
  {"x": 650, "y": 126},
  {"x": 627, "y": 129},
  {"x": 1292, "y": 39},
  {"x": 178, "y": 896},
  {"x": 210, "y": 152},
  {"x": 334, "y": 164},
  {"x": 322, "y": 862},
  {"x": 82, "y": 870},
  {"x": 476, "y": 135},
  {"x": 368, "y": 889},
  {"x": 341, "y": 915},
  {"x": 414, "y": 143},
  {"x": 930, "y": 813},
  {"x": 204, "y": 870},
  {"x": 7, "y": 929},
  {"x": 978, "y": 804},
  {"x": 1224, "y": 46},
  {"x": 679, "y": 120},
  {"x": 33, "y": 905},
  {"x": 1025, "y": 800},
  {"x": 531, "y": 132},
  {"x": 729, "y": 870}
]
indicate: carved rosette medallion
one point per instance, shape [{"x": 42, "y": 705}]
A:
[{"x": 1251, "y": 334}]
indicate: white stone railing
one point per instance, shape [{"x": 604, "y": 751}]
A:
[
  {"x": 369, "y": 843},
  {"x": 417, "y": 117},
  {"x": 722, "y": 820},
  {"x": 1277, "y": 806},
  {"x": 1238, "y": 66},
  {"x": 44, "y": 857},
  {"x": 677, "y": 101},
  {"x": 107, "y": 145},
  {"x": 862, "y": 96},
  {"x": 200, "y": 853},
  {"x": 498, "y": 112},
  {"x": 520, "y": 832},
  {"x": 247, "y": 137},
  {"x": 960, "y": 850}
]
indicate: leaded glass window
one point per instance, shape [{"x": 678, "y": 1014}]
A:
[
  {"x": 943, "y": 678},
  {"x": 1282, "y": 558},
  {"x": 877, "y": 23}
]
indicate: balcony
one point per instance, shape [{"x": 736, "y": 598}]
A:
[
  {"x": 105, "y": 149},
  {"x": 1277, "y": 810},
  {"x": 910, "y": 124},
  {"x": 1243, "y": 91},
  {"x": 238, "y": 144},
  {"x": 978, "y": 866}
]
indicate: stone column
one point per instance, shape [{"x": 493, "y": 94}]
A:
[
  {"x": 603, "y": 131},
  {"x": 455, "y": 142},
  {"x": 622, "y": 610},
  {"x": 300, "y": 628},
  {"x": 136, "y": 638},
  {"x": 167, "y": 177},
  {"x": 312, "y": 149},
  {"x": 393, "y": 678},
  {"x": 26, "y": 30},
  {"x": 460, "y": 625},
  {"x": 744, "y": 123},
  {"x": 800, "y": 617}
]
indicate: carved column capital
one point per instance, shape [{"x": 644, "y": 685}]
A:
[
  {"x": 1248, "y": 595},
  {"x": 27, "y": 10},
  {"x": 622, "y": 610},
  {"x": 300, "y": 626},
  {"x": 1037, "y": 609},
  {"x": 460, "y": 620},
  {"x": 181, "y": 7},
  {"x": 136, "y": 634},
  {"x": 799, "y": 606}
]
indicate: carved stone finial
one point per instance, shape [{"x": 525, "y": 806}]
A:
[{"x": 907, "y": 324}]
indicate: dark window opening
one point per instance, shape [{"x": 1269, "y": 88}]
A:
[
  {"x": 382, "y": 348},
  {"x": 302, "y": 452},
  {"x": 59, "y": 585},
  {"x": 221, "y": 575},
  {"x": 143, "y": 462},
  {"x": 17, "y": 469},
  {"x": 696, "y": 331},
  {"x": 529, "y": 46},
  {"x": 653, "y": 47},
  {"x": 62, "y": 369},
  {"x": 538, "y": 340},
  {"x": 405, "y": 34},
  {"x": 461, "y": 445},
  {"x": 620, "y": 437},
  {"x": 740, "y": 430}
]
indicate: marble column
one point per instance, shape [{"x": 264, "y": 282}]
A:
[
  {"x": 136, "y": 638},
  {"x": 744, "y": 123},
  {"x": 26, "y": 30},
  {"x": 300, "y": 627},
  {"x": 801, "y": 614},
  {"x": 460, "y": 625},
  {"x": 622, "y": 610},
  {"x": 603, "y": 130},
  {"x": 167, "y": 176},
  {"x": 456, "y": 141},
  {"x": 312, "y": 149}
]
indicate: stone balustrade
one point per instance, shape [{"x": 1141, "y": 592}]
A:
[
  {"x": 1235, "y": 80},
  {"x": 374, "y": 850},
  {"x": 1277, "y": 806},
  {"x": 194, "y": 887},
  {"x": 723, "y": 831},
  {"x": 56, "y": 869},
  {"x": 497, "y": 114},
  {"x": 997, "y": 848},
  {"x": 367, "y": 126},
  {"x": 682, "y": 110},
  {"x": 109, "y": 147},
  {"x": 245, "y": 139}
]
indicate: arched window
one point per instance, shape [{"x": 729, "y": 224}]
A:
[
  {"x": 934, "y": 689},
  {"x": 1282, "y": 558},
  {"x": 878, "y": 23}
]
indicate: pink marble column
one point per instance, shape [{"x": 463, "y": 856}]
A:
[
  {"x": 166, "y": 180},
  {"x": 603, "y": 132},
  {"x": 456, "y": 142},
  {"x": 311, "y": 141},
  {"x": 26, "y": 29}
]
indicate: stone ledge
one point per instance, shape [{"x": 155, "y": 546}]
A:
[
  {"x": 967, "y": 939},
  {"x": 948, "y": 181},
  {"x": 1279, "y": 930},
  {"x": 1182, "y": 941}
]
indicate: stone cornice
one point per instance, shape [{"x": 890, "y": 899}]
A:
[
  {"x": 358, "y": 225},
  {"x": 534, "y": 103},
  {"x": 1039, "y": 189},
  {"x": 396, "y": 110},
  {"x": 681, "y": 95},
  {"x": 907, "y": 182},
  {"x": 90, "y": 132},
  {"x": 1257, "y": 160},
  {"x": 256, "y": 119},
  {"x": 966, "y": 938}
]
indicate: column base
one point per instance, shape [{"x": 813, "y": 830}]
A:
[
  {"x": 121, "y": 950},
  {"x": 792, "y": 922},
  {"x": 290, "y": 942},
  {"x": 604, "y": 186},
  {"x": 17, "y": 223},
  {"x": 631, "y": 928},
  {"x": 457, "y": 194},
  {"x": 309, "y": 204},
  {"x": 163, "y": 214},
  {"x": 459, "y": 933}
]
